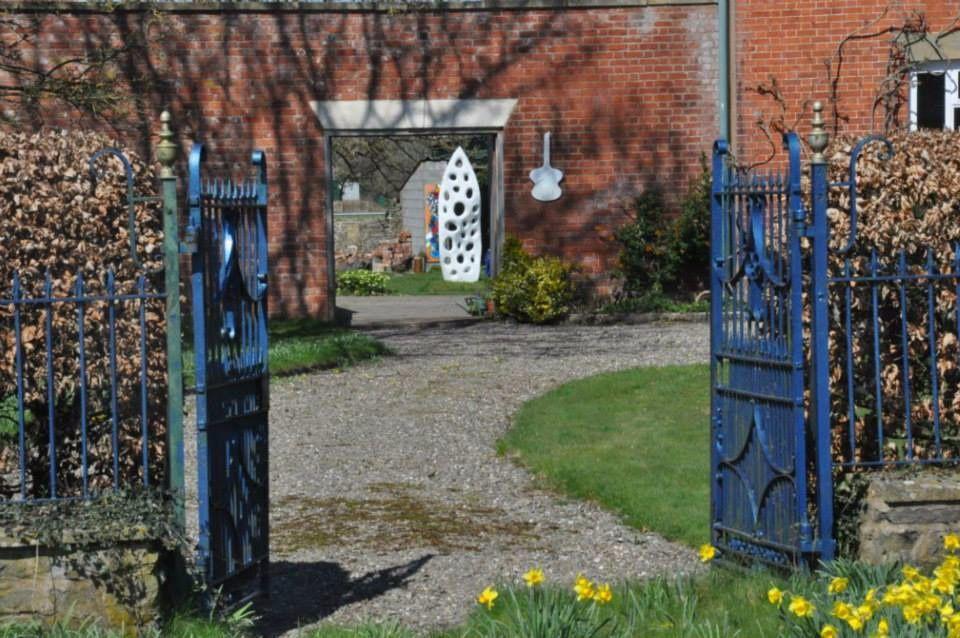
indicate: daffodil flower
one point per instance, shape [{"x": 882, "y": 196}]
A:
[
  {"x": 487, "y": 596},
  {"x": 533, "y": 577}
]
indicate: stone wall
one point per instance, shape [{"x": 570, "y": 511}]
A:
[
  {"x": 39, "y": 583},
  {"x": 906, "y": 518}
]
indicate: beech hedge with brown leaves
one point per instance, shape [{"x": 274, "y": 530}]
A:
[
  {"x": 56, "y": 220},
  {"x": 909, "y": 210}
]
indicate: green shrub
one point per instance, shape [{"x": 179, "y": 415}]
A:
[
  {"x": 660, "y": 254},
  {"x": 643, "y": 255},
  {"x": 362, "y": 282},
  {"x": 532, "y": 290},
  {"x": 689, "y": 240}
]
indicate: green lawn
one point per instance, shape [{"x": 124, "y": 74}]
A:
[
  {"x": 299, "y": 345},
  {"x": 432, "y": 283},
  {"x": 635, "y": 441}
]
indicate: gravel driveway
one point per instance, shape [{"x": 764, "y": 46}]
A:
[{"x": 389, "y": 501}]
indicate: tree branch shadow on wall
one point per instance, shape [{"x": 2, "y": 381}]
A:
[
  {"x": 249, "y": 81},
  {"x": 303, "y": 593}
]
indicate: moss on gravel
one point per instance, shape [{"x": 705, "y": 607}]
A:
[{"x": 395, "y": 516}]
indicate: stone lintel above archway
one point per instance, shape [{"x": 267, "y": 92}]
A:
[{"x": 412, "y": 115}]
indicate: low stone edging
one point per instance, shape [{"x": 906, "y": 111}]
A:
[{"x": 906, "y": 518}]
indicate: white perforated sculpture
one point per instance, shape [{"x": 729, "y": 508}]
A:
[{"x": 459, "y": 220}]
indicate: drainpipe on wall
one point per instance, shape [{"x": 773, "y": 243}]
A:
[{"x": 724, "y": 99}]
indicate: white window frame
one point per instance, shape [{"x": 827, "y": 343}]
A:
[{"x": 951, "y": 94}]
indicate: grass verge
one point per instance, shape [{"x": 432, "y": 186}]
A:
[
  {"x": 301, "y": 345},
  {"x": 432, "y": 283},
  {"x": 635, "y": 441}
]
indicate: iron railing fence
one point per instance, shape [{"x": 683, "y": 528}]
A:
[
  {"x": 895, "y": 390},
  {"x": 82, "y": 387}
]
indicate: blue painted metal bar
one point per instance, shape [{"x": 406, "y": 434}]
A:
[
  {"x": 718, "y": 201},
  {"x": 114, "y": 408},
  {"x": 934, "y": 372},
  {"x": 905, "y": 352},
  {"x": 18, "y": 357},
  {"x": 820, "y": 356},
  {"x": 51, "y": 390},
  {"x": 144, "y": 421},
  {"x": 907, "y": 277},
  {"x": 851, "y": 182},
  {"x": 848, "y": 342},
  {"x": 798, "y": 217},
  {"x": 81, "y": 337},
  {"x": 877, "y": 360},
  {"x": 43, "y": 301},
  {"x": 132, "y": 197}
]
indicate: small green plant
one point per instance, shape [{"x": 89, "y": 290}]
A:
[
  {"x": 532, "y": 290},
  {"x": 362, "y": 282}
]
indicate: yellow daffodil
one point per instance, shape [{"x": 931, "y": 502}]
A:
[
  {"x": 487, "y": 596},
  {"x": 946, "y": 612},
  {"x": 855, "y": 622},
  {"x": 883, "y": 629},
  {"x": 775, "y": 596},
  {"x": 842, "y": 610},
  {"x": 951, "y": 542},
  {"x": 829, "y": 631},
  {"x": 603, "y": 595},
  {"x": 707, "y": 553},
  {"x": 583, "y": 588},
  {"x": 801, "y": 607},
  {"x": 910, "y": 572},
  {"x": 838, "y": 585},
  {"x": 533, "y": 577}
]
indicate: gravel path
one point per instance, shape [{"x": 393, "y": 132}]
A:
[{"x": 389, "y": 501}]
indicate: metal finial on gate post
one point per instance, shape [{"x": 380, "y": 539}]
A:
[
  {"x": 818, "y": 138},
  {"x": 166, "y": 149}
]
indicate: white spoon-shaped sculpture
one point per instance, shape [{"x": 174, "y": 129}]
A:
[
  {"x": 546, "y": 179},
  {"x": 459, "y": 220}
]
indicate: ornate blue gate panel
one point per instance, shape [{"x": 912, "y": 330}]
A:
[
  {"x": 229, "y": 284},
  {"x": 758, "y": 437}
]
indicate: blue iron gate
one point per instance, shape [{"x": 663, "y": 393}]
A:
[
  {"x": 760, "y": 468},
  {"x": 229, "y": 282}
]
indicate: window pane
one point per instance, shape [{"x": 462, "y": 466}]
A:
[{"x": 930, "y": 95}]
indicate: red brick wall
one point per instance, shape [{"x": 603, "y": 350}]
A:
[
  {"x": 629, "y": 94},
  {"x": 792, "y": 41}
]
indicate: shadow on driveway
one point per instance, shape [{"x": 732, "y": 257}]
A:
[{"x": 304, "y": 593}]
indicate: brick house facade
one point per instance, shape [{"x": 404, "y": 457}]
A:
[{"x": 633, "y": 93}]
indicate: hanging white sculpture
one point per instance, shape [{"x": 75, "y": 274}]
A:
[
  {"x": 546, "y": 179},
  {"x": 459, "y": 220}
]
